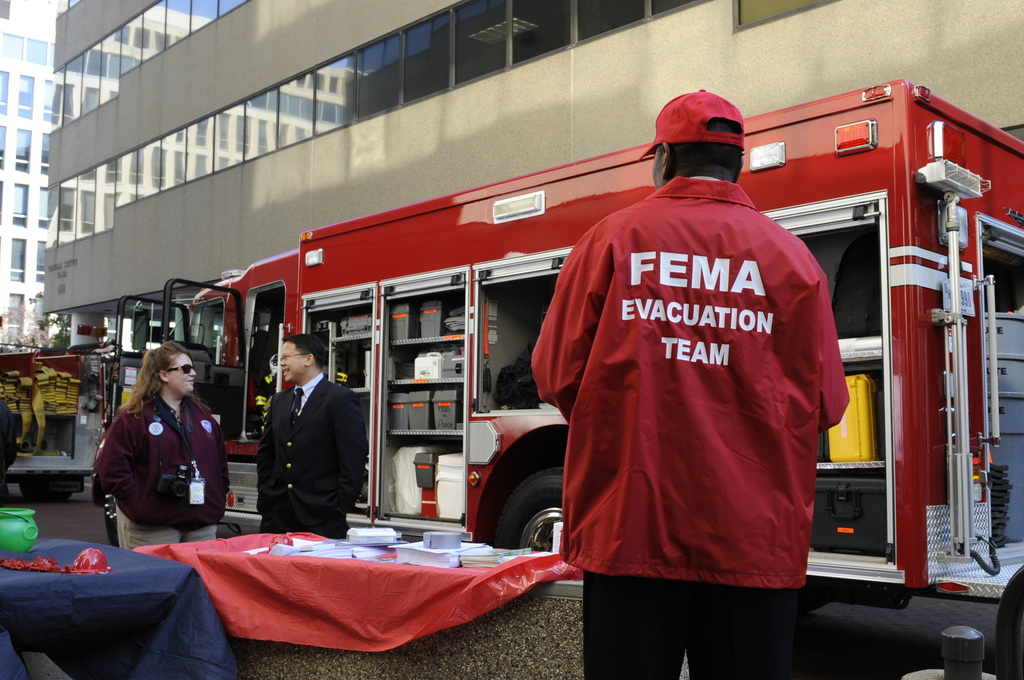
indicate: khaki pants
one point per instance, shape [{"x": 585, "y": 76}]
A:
[{"x": 131, "y": 535}]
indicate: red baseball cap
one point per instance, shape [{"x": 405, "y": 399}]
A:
[{"x": 685, "y": 119}]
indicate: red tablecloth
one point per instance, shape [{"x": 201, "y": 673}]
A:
[{"x": 347, "y": 603}]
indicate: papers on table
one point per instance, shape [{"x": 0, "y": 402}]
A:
[
  {"x": 372, "y": 536},
  {"x": 487, "y": 556},
  {"x": 416, "y": 553}
]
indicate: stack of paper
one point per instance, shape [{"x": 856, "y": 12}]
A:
[
  {"x": 490, "y": 557},
  {"x": 332, "y": 549},
  {"x": 416, "y": 553},
  {"x": 372, "y": 536}
]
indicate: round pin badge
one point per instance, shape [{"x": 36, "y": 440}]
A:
[
  {"x": 156, "y": 429},
  {"x": 207, "y": 426}
]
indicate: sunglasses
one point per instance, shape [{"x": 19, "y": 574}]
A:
[{"x": 185, "y": 368}]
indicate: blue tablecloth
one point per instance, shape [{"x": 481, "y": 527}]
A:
[{"x": 147, "y": 619}]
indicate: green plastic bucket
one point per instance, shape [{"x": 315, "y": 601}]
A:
[{"x": 18, "y": 530}]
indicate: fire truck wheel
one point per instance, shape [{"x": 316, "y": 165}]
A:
[
  {"x": 38, "y": 491},
  {"x": 530, "y": 513}
]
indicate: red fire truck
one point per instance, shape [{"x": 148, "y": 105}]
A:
[{"x": 429, "y": 312}]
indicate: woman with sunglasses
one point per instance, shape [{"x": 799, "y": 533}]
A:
[{"x": 163, "y": 457}]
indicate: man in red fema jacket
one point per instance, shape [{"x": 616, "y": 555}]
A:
[{"x": 691, "y": 347}]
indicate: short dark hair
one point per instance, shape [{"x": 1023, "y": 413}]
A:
[
  {"x": 307, "y": 343},
  {"x": 709, "y": 159}
]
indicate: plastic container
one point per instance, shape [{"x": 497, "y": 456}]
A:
[
  {"x": 849, "y": 515},
  {"x": 404, "y": 324},
  {"x": 853, "y": 439},
  {"x": 18, "y": 530},
  {"x": 398, "y": 411},
  {"x": 420, "y": 412},
  {"x": 446, "y": 409},
  {"x": 432, "y": 316}
]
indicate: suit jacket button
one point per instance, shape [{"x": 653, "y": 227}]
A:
[
  {"x": 288, "y": 444},
  {"x": 289, "y": 486},
  {"x": 288, "y": 465}
]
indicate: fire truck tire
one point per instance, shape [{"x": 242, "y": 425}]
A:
[
  {"x": 38, "y": 491},
  {"x": 530, "y": 513}
]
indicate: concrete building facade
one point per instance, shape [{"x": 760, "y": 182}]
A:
[{"x": 194, "y": 137}]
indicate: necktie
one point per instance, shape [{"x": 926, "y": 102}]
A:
[{"x": 296, "y": 404}]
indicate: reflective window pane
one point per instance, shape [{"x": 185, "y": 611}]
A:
[
  {"x": 127, "y": 177},
  {"x": 335, "y": 94},
  {"x": 757, "y": 10},
  {"x": 68, "y": 201},
  {"x": 427, "y": 62},
  {"x": 177, "y": 20},
  {"x": 154, "y": 30},
  {"x": 73, "y": 88},
  {"x": 538, "y": 27},
  {"x": 261, "y": 124},
  {"x": 44, "y": 208},
  {"x": 23, "y": 151},
  {"x": 106, "y": 176},
  {"x": 17, "y": 269},
  {"x": 86, "y": 220},
  {"x": 40, "y": 261},
  {"x": 200, "y": 140},
  {"x": 228, "y": 5},
  {"x": 203, "y": 12},
  {"x": 5, "y": 79},
  {"x": 150, "y": 170},
  {"x": 26, "y": 96},
  {"x": 13, "y": 47},
  {"x": 131, "y": 53},
  {"x": 378, "y": 77},
  {"x": 600, "y": 16},
  {"x": 230, "y": 137},
  {"x": 480, "y": 32},
  {"x": 37, "y": 52},
  {"x": 91, "y": 78},
  {"x": 20, "y": 205},
  {"x": 3, "y": 145},
  {"x": 110, "y": 73},
  {"x": 296, "y": 115},
  {"x": 174, "y": 159},
  {"x": 658, "y": 6}
]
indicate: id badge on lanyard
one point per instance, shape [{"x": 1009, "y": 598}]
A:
[{"x": 197, "y": 491}]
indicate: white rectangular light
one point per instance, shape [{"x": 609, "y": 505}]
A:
[
  {"x": 768, "y": 156},
  {"x": 314, "y": 257},
  {"x": 519, "y": 207}
]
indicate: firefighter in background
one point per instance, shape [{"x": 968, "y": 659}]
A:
[
  {"x": 9, "y": 441},
  {"x": 691, "y": 347}
]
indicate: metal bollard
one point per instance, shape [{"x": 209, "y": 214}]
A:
[{"x": 963, "y": 650}]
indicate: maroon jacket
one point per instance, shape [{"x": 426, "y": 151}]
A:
[
  {"x": 127, "y": 464},
  {"x": 691, "y": 346}
]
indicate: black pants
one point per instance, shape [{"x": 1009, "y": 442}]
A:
[
  {"x": 641, "y": 628},
  {"x": 284, "y": 521}
]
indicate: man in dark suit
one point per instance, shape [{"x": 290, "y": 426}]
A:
[{"x": 313, "y": 451}]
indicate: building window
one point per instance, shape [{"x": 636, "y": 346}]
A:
[
  {"x": 600, "y": 16},
  {"x": 110, "y": 72},
  {"x": 4, "y": 82},
  {"x": 750, "y": 11},
  {"x": 427, "y": 59},
  {"x": 538, "y": 27},
  {"x": 92, "y": 68},
  {"x": 73, "y": 88},
  {"x": 24, "y": 151},
  {"x": 228, "y": 5},
  {"x": 261, "y": 124},
  {"x": 26, "y": 96},
  {"x": 203, "y": 12},
  {"x": 44, "y": 154},
  {"x": 48, "y": 102},
  {"x": 154, "y": 30},
  {"x": 378, "y": 77},
  {"x": 200, "y": 151},
  {"x": 480, "y": 32},
  {"x": 20, "y": 205},
  {"x": 66, "y": 210},
  {"x": 40, "y": 261},
  {"x": 335, "y": 94},
  {"x": 14, "y": 47},
  {"x": 230, "y": 126},
  {"x": 177, "y": 21},
  {"x": 3, "y": 145},
  {"x": 659, "y": 6},
  {"x": 38, "y": 52},
  {"x": 44, "y": 208},
  {"x": 17, "y": 261},
  {"x": 296, "y": 110}
]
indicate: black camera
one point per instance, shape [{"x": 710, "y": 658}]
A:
[{"x": 174, "y": 485}]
